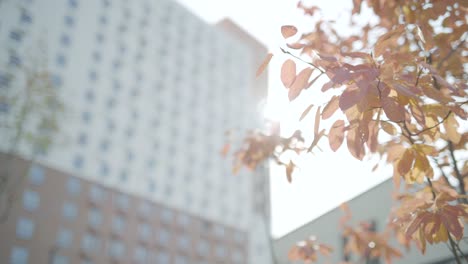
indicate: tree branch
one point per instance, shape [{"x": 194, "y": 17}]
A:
[
  {"x": 298, "y": 58},
  {"x": 457, "y": 171}
]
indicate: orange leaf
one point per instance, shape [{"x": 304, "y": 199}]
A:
[
  {"x": 289, "y": 171},
  {"x": 389, "y": 128},
  {"x": 317, "y": 121},
  {"x": 301, "y": 81},
  {"x": 331, "y": 107},
  {"x": 451, "y": 126},
  {"x": 406, "y": 161},
  {"x": 225, "y": 149},
  {"x": 288, "y": 73},
  {"x": 393, "y": 109},
  {"x": 306, "y": 111},
  {"x": 288, "y": 31},
  {"x": 336, "y": 135},
  {"x": 264, "y": 64}
]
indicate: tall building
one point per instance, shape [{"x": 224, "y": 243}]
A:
[{"x": 149, "y": 91}]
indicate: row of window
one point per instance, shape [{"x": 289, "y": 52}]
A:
[{"x": 31, "y": 202}]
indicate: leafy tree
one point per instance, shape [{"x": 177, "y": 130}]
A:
[
  {"x": 29, "y": 110},
  {"x": 397, "y": 90}
]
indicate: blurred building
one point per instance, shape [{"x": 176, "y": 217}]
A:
[
  {"x": 372, "y": 207},
  {"x": 135, "y": 174}
]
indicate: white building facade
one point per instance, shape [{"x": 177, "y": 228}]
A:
[
  {"x": 149, "y": 90},
  {"x": 372, "y": 207}
]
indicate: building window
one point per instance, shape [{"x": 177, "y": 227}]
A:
[
  {"x": 96, "y": 194},
  {"x": 86, "y": 116},
  {"x": 69, "y": 21},
  {"x": 183, "y": 242},
  {"x": 141, "y": 255},
  {"x": 104, "y": 145},
  {"x": 151, "y": 186},
  {"x": 65, "y": 40},
  {"x": 203, "y": 248},
  {"x": 96, "y": 56},
  {"x": 82, "y": 139},
  {"x": 92, "y": 75},
  {"x": 104, "y": 169},
  {"x": 89, "y": 95},
  {"x": 144, "y": 232},
  {"x": 163, "y": 258},
  {"x": 60, "y": 259},
  {"x": 73, "y": 186},
  {"x": 64, "y": 238},
  {"x": 16, "y": 35},
  {"x": 144, "y": 208},
  {"x": 237, "y": 256},
  {"x": 31, "y": 200},
  {"x": 69, "y": 211},
  {"x": 219, "y": 231},
  {"x": 78, "y": 162},
  {"x": 61, "y": 60},
  {"x": 116, "y": 249},
  {"x": 163, "y": 237},
  {"x": 57, "y": 80},
  {"x": 167, "y": 216},
  {"x": 123, "y": 176},
  {"x": 183, "y": 220},
  {"x": 220, "y": 251},
  {"x": 25, "y": 17},
  {"x": 122, "y": 201},
  {"x": 24, "y": 228},
  {"x": 19, "y": 255},
  {"x": 103, "y": 20},
  {"x": 94, "y": 217},
  {"x": 239, "y": 238},
  {"x": 36, "y": 174},
  {"x": 14, "y": 59},
  {"x": 73, "y": 4},
  {"x": 99, "y": 37},
  {"x": 181, "y": 260},
  {"x": 90, "y": 243},
  {"x": 5, "y": 79},
  {"x": 118, "y": 224}
]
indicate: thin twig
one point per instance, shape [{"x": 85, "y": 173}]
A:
[
  {"x": 310, "y": 63},
  {"x": 434, "y": 126},
  {"x": 452, "y": 51},
  {"x": 457, "y": 171}
]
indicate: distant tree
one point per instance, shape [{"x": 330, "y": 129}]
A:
[
  {"x": 29, "y": 110},
  {"x": 397, "y": 89}
]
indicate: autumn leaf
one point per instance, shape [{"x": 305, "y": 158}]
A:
[
  {"x": 393, "y": 109},
  {"x": 288, "y": 31},
  {"x": 336, "y": 135},
  {"x": 225, "y": 149},
  {"x": 331, "y": 107},
  {"x": 289, "y": 170},
  {"x": 299, "y": 83},
  {"x": 288, "y": 73},
  {"x": 306, "y": 111},
  {"x": 406, "y": 161},
  {"x": 264, "y": 64}
]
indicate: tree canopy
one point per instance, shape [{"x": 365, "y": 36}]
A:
[{"x": 396, "y": 89}]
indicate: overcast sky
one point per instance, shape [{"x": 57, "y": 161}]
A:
[{"x": 325, "y": 179}]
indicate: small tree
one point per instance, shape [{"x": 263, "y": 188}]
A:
[
  {"x": 396, "y": 90},
  {"x": 29, "y": 110}
]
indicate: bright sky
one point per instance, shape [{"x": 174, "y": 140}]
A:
[{"x": 325, "y": 179}]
